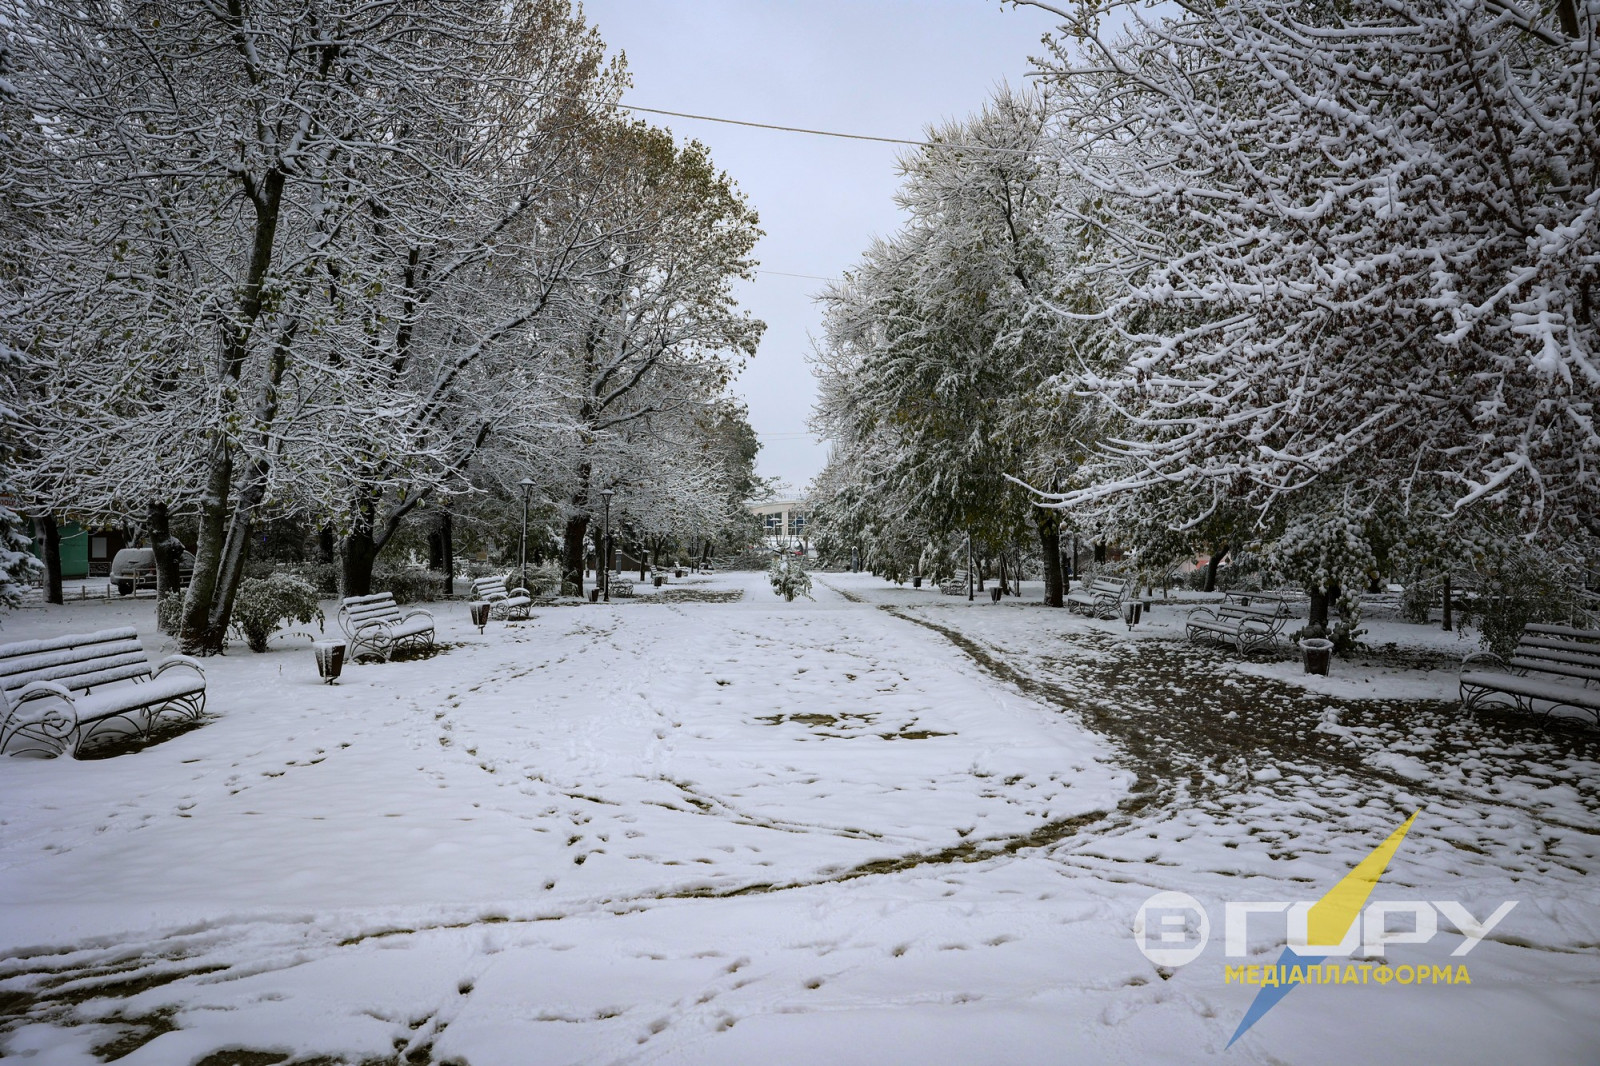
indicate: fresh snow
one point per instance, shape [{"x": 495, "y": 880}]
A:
[{"x": 882, "y": 826}]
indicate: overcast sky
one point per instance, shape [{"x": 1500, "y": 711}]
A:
[{"x": 882, "y": 67}]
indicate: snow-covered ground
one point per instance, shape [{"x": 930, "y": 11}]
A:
[{"x": 883, "y": 826}]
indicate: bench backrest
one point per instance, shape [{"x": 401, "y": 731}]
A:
[
  {"x": 1107, "y": 586},
  {"x": 489, "y": 588},
  {"x": 1270, "y": 612},
  {"x": 363, "y": 610},
  {"x": 1559, "y": 650},
  {"x": 77, "y": 661}
]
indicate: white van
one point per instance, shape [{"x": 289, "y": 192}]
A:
[{"x": 135, "y": 568}]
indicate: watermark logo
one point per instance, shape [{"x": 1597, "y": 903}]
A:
[{"x": 1172, "y": 929}]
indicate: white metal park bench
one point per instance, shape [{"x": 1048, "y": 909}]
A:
[
  {"x": 620, "y": 587},
  {"x": 1556, "y": 666},
  {"x": 373, "y": 624},
  {"x": 955, "y": 585},
  {"x": 60, "y": 691},
  {"x": 1100, "y": 597},
  {"x": 1257, "y": 626},
  {"x": 505, "y": 604}
]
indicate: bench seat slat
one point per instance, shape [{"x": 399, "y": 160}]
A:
[
  {"x": 1555, "y": 649},
  {"x": 1544, "y": 666},
  {"x": 1535, "y": 688},
  {"x": 1562, "y": 631}
]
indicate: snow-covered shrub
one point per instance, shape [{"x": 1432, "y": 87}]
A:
[
  {"x": 789, "y": 578},
  {"x": 543, "y": 580},
  {"x": 169, "y": 611},
  {"x": 17, "y": 564},
  {"x": 1523, "y": 585},
  {"x": 263, "y": 604}
]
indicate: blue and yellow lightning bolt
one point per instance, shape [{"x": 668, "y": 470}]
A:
[{"x": 1329, "y": 919}]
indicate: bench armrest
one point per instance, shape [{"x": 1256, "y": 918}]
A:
[
  {"x": 1208, "y": 612},
  {"x": 522, "y": 592},
  {"x": 1485, "y": 656},
  {"x": 36, "y": 690},
  {"x": 409, "y": 615},
  {"x": 179, "y": 660}
]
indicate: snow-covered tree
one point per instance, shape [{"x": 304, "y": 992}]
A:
[
  {"x": 1360, "y": 254},
  {"x": 648, "y": 342},
  {"x": 940, "y": 347}
]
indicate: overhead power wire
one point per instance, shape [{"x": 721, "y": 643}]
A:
[
  {"x": 781, "y": 129},
  {"x": 786, "y": 274},
  {"x": 824, "y": 133}
]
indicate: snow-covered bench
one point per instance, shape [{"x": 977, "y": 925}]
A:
[
  {"x": 503, "y": 603},
  {"x": 1256, "y": 626},
  {"x": 374, "y": 624},
  {"x": 58, "y": 692},
  {"x": 1554, "y": 665},
  {"x": 955, "y": 585},
  {"x": 1101, "y": 597},
  {"x": 621, "y": 587}
]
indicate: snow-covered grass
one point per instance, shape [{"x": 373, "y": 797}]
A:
[{"x": 711, "y": 826}]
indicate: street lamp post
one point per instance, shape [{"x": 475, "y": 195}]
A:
[
  {"x": 605, "y": 551},
  {"x": 522, "y": 552}
]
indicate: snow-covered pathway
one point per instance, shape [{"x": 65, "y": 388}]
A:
[{"x": 695, "y": 832}]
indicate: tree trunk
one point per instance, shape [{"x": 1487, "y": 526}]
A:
[
  {"x": 1447, "y": 604},
  {"x": 49, "y": 534},
  {"x": 1049, "y": 524},
  {"x": 219, "y": 554},
  {"x": 1321, "y": 599},
  {"x": 442, "y": 550},
  {"x": 435, "y": 550},
  {"x": 325, "y": 545},
  {"x": 208, "y": 552},
  {"x": 168, "y": 552},
  {"x": 358, "y": 554},
  {"x": 572, "y": 550},
  {"x": 1211, "y": 568},
  {"x": 1001, "y": 577}
]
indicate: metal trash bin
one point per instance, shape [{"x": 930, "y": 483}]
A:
[
  {"x": 1318, "y": 654},
  {"x": 330, "y": 659},
  {"x": 480, "y": 613},
  {"x": 995, "y": 594}
]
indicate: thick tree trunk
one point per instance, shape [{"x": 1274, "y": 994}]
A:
[
  {"x": 572, "y": 545},
  {"x": 219, "y": 554},
  {"x": 1050, "y": 548},
  {"x": 208, "y": 553},
  {"x": 358, "y": 554},
  {"x": 49, "y": 534},
  {"x": 1447, "y": 605},
  {"x": 325, "y": 545},
  {"x": 168, "y": 549},
  {"x": 442, "y": 550},
  {"x": 1211, "y": 568},
  {"x": 168, "y": 552},
  {"x": 1321, "y": 599}
]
